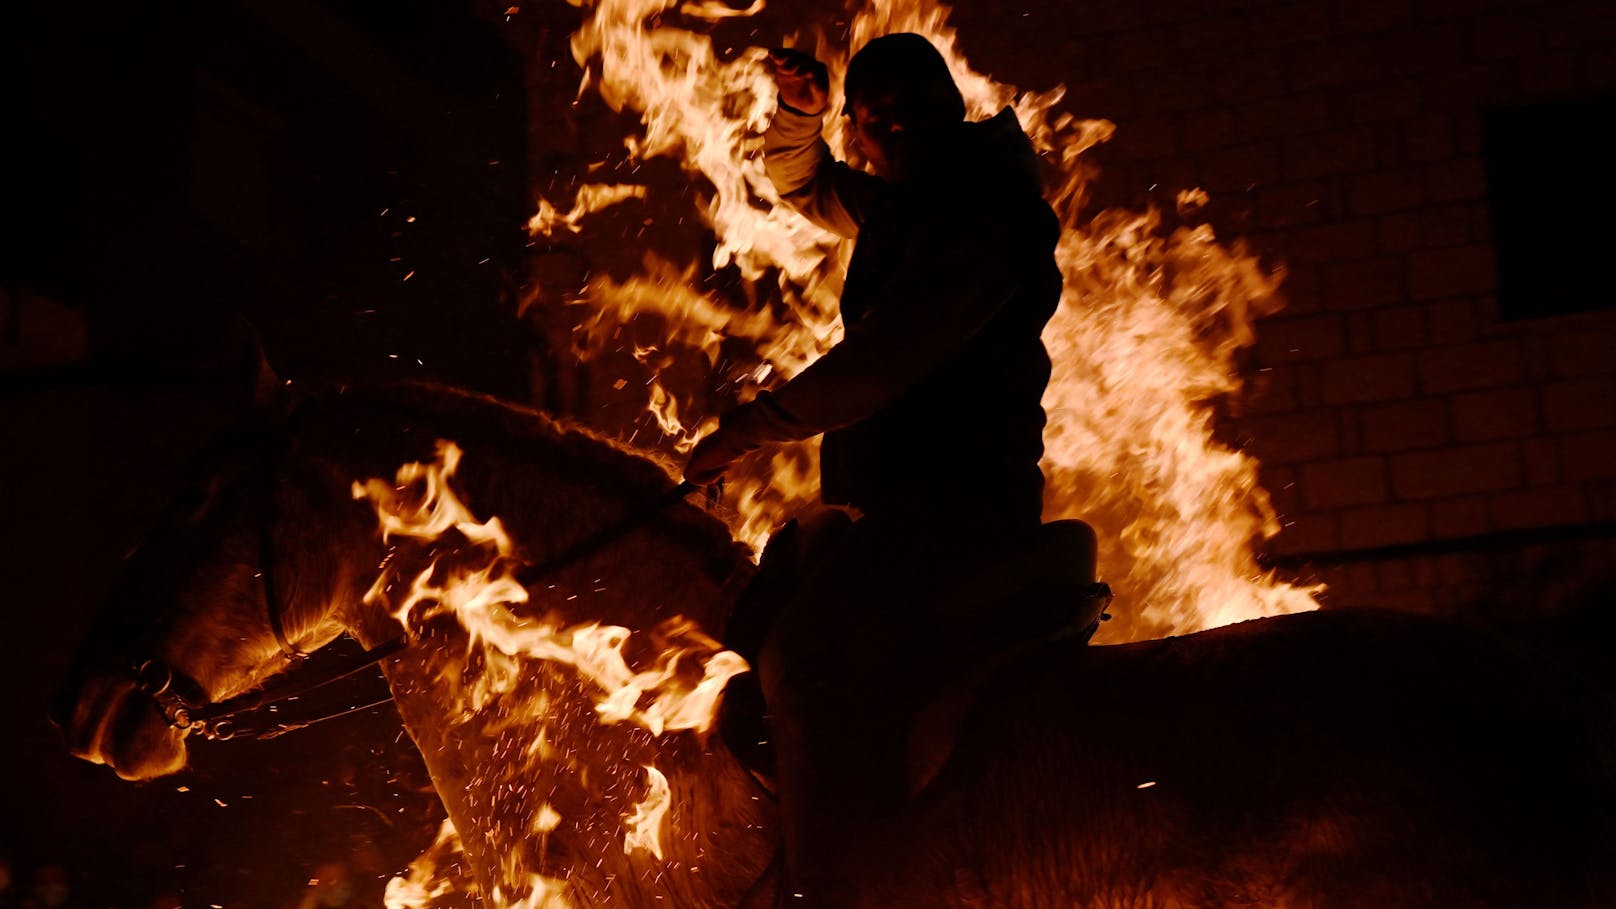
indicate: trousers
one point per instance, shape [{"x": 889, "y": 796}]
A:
[{"x": 838, "y": 626}]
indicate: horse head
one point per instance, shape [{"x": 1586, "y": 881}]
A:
[
  {"x": 222, "y": 595},
  {"x": 545, "y": 728}
]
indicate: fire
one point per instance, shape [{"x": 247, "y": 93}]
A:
[
  {"x": 426, "y": 880},
  {"x": 645, "y": 825},
  {"x": 438, "y": 510},
  {"x": 1143, "y": 343},
  {"x": 591, "y": 198},
  {"x": 486, "y": 599},
  {"x": 666, "y": 410},
  {"x": 1154, "y": 310},
  {"x": 476, "y": 585}
]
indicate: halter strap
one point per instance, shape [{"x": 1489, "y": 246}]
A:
[
  {"x": 182, "y": 703},
  {"x": 266, "y": 573}
]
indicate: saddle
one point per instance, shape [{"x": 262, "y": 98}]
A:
[
  {"x": 1033, "y": 593},
  {"x": 1029, "y": 597},
  {"x": 1039, "y": 589}
]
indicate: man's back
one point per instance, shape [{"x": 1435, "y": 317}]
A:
[
  {"x": 934, "y": 392},
  {"x": 967, "y": 240}
]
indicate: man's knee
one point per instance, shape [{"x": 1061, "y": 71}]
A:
[{"x": 818, "y": 530}]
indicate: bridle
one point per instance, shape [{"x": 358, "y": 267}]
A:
[{"x": 184, "y": 704}]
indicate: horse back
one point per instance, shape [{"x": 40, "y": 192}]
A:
[{"x": 1323, "y": 759}]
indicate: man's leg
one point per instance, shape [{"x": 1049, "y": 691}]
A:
[
  {"x": 836, "y": 715},
  {"x": 791, "y": 554},
  {"x": 801, "y": 545}
]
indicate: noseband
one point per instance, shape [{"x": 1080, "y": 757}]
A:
[
  {"x": 185, "y": 706},
  {"x": 184, "y": 703}
]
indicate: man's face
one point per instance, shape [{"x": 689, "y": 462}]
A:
[{"x": 878, "y": 136}]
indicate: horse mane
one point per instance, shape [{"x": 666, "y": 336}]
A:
[{"x": 438, "y": 411}]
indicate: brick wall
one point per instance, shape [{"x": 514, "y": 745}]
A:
[{"x": 1408, "y": 435}]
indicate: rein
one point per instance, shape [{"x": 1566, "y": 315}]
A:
[
  {"x": 605, "y": 537},
  {"x": 179, "y": 700},
  {"x": 185, "y": 706}
]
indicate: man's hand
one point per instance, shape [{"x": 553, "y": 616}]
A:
[
  {"x": 804, "y": 82},
  {"x": 711, "y": 457},
  {"x": 743, "y": 429}
]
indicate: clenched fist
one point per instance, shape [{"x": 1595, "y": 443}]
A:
[{"x": 804, "y": 83}]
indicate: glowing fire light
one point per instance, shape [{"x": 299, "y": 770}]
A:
[
  {"x": 1154, "y": 309},
  {"x": 477, "y": 586},
  {"x": 591, "y": 198},
  {"x": 423, "y": 883},
  {"x": 645, "y": 825},
  {"x": 485, "y": 601},
  {"x": 1143, "y": 342}
]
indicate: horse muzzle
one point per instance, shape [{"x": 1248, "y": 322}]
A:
[{"x": 113, "y": 719}]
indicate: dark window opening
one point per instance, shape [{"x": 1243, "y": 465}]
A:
[{"x": 1548, "y": 171}]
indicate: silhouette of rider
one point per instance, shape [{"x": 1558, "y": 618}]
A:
[{"x": 931, "y": 412}]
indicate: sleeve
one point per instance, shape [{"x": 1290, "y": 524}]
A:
[
  {"x": 826, "y": 191},
  {"x": 954, "y": 278}
]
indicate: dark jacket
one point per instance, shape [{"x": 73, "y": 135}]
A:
[{"x": 931, "y": 403}]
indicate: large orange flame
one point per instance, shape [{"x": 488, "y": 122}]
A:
[
  {"x": 1143, "y": 343},
  {"x": 476, "y": 585},
  {"x": 486, "y": 599}
]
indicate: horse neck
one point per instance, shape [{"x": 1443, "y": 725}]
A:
[
  {"x": 323, "y": 555},
  {"x": 540, "y": 788},
  {"x": 287, "y": 549}
]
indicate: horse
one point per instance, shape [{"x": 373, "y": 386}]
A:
[{"x": 1327, "y": 759}]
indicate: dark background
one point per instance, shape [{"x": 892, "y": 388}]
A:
[{"x": 342, "y": 184}]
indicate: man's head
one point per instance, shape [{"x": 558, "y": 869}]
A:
[{"x": 901, "y": 97}]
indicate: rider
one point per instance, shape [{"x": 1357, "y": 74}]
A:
[{"x": 932, "y": 421}]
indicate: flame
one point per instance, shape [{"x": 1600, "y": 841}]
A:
[
  {"x": 426, "y": 880},
  {"x": 476, "y": 585},
  {"x": 592, "y": 197},
  {"x": 645, "y": 824},
  {"x": 486, "y": 598},
  {"x": 542, "y": 892},
  {"x": 438, "y": 510},
  {"x": 1143, "y": 343},
  {"x": 666, "y": 410}
]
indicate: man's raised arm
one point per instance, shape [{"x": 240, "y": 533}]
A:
[{"x": 799, "y": 163}]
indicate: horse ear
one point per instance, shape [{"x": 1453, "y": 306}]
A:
[
  {"x": 269, "y": 391},
  {"x": 270, "y": 394}
]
